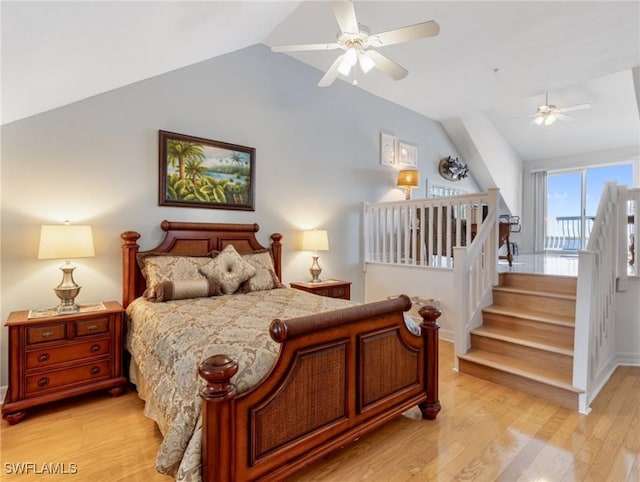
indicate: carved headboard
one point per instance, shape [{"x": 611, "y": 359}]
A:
[{"x": 191, "y": 239}]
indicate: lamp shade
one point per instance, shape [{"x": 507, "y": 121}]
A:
[
  {"x": 408, "y": 178},
  {"x": 316, "y": 240},
  {"x": 64, "y": 241}
]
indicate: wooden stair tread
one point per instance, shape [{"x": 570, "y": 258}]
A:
[
  {"x": 525, "y": 339},
  {"x": 539, "y": 281},
  {"x": 548, "y": 294},
  {"x": 531, "y": 315},
  {"x": 522, "y": 369}
]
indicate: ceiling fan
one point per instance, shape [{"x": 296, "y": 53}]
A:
[
  {"x": 358, "y": 45},
  {"x": 547, "y": 114}
]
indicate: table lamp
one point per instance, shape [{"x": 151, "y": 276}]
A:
[
  {"x": 408, "y": 179},
  {"x": 65, "y": 241},
  {"x": 316, "y": 240}
]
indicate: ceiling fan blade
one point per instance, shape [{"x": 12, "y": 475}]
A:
[
  {"x": 386, "y": 65},
  {"x": 405, "y": 34},
  {"x": 523, "y": 117},
  {"x": 303, "y": 47},
  {"x": 331, "y": 74},
  {"x": 564, "y": 117},
  {"x": 345, "y": 15},
  {"x": 574, "y": 107}
]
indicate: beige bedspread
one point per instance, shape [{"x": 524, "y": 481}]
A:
[{"x": 167, "y": 342}]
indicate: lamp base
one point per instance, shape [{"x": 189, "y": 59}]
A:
[
  {"x": 67, "y": 291},
  {"x": 315, "y": 271}
]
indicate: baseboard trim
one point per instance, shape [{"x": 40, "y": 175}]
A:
[
  {"x": 447, "y": 335},
  {"x": 3, "y": 392},
  {"x": 627, "y": 359}
]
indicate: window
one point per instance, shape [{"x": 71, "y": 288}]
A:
[{"x": 572, "y": 203}]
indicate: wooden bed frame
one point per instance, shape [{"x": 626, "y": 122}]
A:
[{"x": 339, "y": 375}]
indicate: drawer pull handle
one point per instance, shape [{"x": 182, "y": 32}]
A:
[
  {"x": 43, "y": 357},
  {"x": 92, "y": 327},
  {"x": 47, "y": 334},
  {"x": 95, "y": 348},
  {"x": 43, "y": 382},
  {"x": 95, "y": 370}
]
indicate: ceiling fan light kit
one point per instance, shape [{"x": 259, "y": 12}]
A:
[
  {"x": 547, "y": 114},
  {"x": 356, "y": 41}
]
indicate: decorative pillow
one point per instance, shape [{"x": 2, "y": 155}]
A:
[
  {"x": 172, "y": 268},
  {"x": 265, "y": 277},
  {"x": 180, "y": 290},
  {"x": 228, "y": 269},
  {"x": 143, "y": 256}
]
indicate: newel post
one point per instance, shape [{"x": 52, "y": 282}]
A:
[
  {"x": 429, "y": 328},
  {"x": 218, "y": 419}
]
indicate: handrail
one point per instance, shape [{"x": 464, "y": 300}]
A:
[
  {"x": 475, "y": 274},
  {"x": 566, "y": 233},
  {"x": 421, "y": 232}
]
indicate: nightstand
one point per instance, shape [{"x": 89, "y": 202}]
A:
[
  {"x": 58, "y": 357},
  {"x": 332, "y": 288}
]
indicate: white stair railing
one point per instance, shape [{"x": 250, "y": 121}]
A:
[
  {"x": 602, "y": 268},
  {"x": 475, "y": 275},
  {"x": 408, "y": 232}
]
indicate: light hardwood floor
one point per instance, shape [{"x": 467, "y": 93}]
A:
[{"x": 484, "y": 432}]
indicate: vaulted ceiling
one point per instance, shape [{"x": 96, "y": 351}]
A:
[{"x": 498, "y": 58}]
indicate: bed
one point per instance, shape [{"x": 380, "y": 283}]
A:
[{"x": 335, "y": 376}]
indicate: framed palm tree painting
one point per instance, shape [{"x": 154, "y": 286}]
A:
[{"x": 204, "y": 173}]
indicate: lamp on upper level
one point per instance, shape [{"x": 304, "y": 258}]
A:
[
  {"x": 66, "y": 241},
  {"x": 316, "y": 240},
  {"x": 408, "y": 179}
]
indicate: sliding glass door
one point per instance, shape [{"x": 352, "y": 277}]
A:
[{"x": 572, "y": 203}]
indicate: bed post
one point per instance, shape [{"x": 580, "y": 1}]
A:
[
  {"x": 276, "y": 250},
  {"x": 129, "y": 251},
  {"x": 218, "y": 419},
  {"x": 429, "y": 328}
]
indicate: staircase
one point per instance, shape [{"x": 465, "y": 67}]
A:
[{"x": 526, "y": 340}]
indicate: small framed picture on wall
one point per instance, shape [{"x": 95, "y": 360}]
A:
[
  {"x": 408, "y": 154},
  {"x": 387, "y": 149}
]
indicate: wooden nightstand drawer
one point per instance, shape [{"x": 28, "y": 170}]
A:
[
  {"x": 40, "y": 334},
  {"x": 330, "y": 288},
  {"x": 337, "y": 292},
  {"x": 60, "y": 378},
  {"x": 92, "y": 327},
  {"x": 77, "y": 351}
]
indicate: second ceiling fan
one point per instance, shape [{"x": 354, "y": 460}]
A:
[
  {"x": 359, "y": 45},
  {"x": 547, "y": 114}
]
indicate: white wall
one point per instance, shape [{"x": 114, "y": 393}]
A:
[
  {"x": 628, "y": 324},
  {"x": 491, "y": 159},
  {"x": 96, "y": 162}
]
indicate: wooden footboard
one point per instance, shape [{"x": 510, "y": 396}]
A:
[{"x": 339, "y": 375}]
